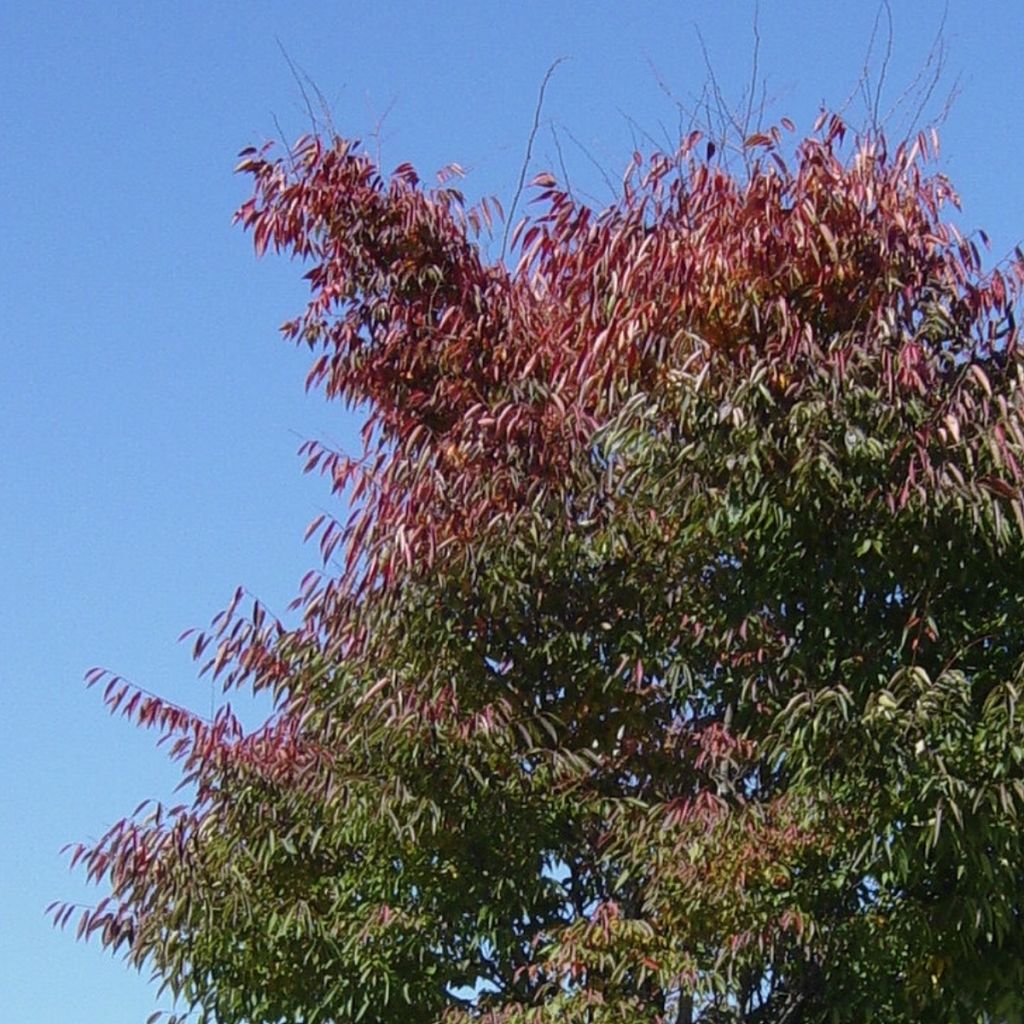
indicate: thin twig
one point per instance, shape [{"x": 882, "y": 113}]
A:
[
  {"x": 377, "y": 133},
  {"x": 314, "y": 127},
  {"x": 325, "y": 121},
  {"x": 561, "y": 157},
  {"x": 885, "y": 65},
  {"x": 693, "y": 113},
  {"x": 280, "y": 134},
  {"x": 753, "y": 73},
  {"x": 936, "y": 60},
  {"x": 762, "y": 105},
  {"x": 726, "y": 118},
  {"x": 636, "y": 128},
  {"x": 529, "y": 151},
  {"x": 670, "y": 145},
  {"x": 864, "y": 85},
  {"x": 597, "y": 164}
]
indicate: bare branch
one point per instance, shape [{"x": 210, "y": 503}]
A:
[
  {"x": 561, "y": 157},
  {"x": 636, "y": 129},
  {"x": 694, "y": 113},
  {"x": 305, "y": 81},
  {"x": 919, "y": 93},
  {"x": 300, "y": 81},
  {"x": 885, "y": 66},
  {"x": 753, "y": 73},
  {"x": 726, "y": 118},
  {"x": 377, "y": 132},
  {"x": 597, "y": 164},
  {"x": 529, "y": 151},
  {"x": 936, "y": 64}
]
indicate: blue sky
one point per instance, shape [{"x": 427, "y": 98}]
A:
[{"x": 150, "y": 413}]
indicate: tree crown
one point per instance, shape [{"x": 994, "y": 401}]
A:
[{"x": 667, "y": 665}]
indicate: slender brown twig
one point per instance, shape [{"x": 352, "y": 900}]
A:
[{"x": 529, "y": 151}]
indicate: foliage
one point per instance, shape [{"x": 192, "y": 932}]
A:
[{"x": 668, "y": 667}]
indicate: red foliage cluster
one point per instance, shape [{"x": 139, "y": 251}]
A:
[{"x": 479, "y": 380}]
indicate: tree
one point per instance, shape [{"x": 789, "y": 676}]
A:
[{"x": 668, "y": 666}]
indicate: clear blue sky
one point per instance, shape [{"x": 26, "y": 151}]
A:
[{"x": 150, "y": 414}]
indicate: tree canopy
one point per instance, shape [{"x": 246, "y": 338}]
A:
[{"x": 667, "y": 667}]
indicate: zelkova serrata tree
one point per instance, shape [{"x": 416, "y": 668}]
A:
[{"x": 667, "y": 667}]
